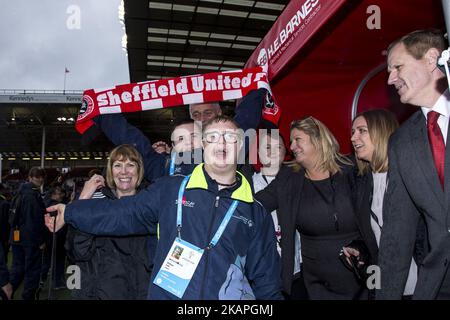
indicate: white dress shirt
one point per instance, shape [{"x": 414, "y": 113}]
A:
[{"x": 442, "y": 106}]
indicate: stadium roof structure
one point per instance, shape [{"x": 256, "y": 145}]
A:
[
  {"x": 25, "y": 113},
  {"x": 183, "y": 37}
]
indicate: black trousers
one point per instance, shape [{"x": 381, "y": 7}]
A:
[
  {"x": 26, "y": 266},
  {"x": 60, "y": 260},
  {"x": 298, "y": 289},
  {"x": 444, "y": 290}
]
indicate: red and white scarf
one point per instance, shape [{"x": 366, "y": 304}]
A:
[{"x": 148, "y": 95}]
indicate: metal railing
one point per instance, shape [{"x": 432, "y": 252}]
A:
[{"x": 26, "y": 91}]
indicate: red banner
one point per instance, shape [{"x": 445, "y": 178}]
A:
[
  {"x": 132, "y": 97},
  {"x": 293, "y": 28}
]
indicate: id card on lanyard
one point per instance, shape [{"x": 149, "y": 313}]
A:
[
  {"x": 183, "y": 257},
  {"x": 178, "y": 268}
]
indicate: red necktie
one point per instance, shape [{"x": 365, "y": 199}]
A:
[{"x": 437, "y": 144}]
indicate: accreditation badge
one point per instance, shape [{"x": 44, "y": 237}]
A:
[
  {"x": 178, "y": 268},
  {"x": 16, "y": 236}
]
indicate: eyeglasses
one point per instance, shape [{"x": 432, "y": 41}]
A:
[{"x": 214, "y": 136}]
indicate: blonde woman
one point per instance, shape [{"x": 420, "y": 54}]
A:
[{"x": 314, "y": 197}]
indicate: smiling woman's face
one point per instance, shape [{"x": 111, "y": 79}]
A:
[
  {"x": 125, "y": 175},
  {"x": 304, "y": 151},
  {"x": 361, "y": 141}
]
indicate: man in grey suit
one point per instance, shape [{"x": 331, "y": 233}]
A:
[{"x": 419, "y": 171}]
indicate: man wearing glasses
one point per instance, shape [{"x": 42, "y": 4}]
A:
[
  {"x": 181, "y": 159},
  {"x": 228, "y": 240}
]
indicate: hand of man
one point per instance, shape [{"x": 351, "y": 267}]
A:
[
  {"x": 161, "y": 147},
  {"x": 8, "y": 290},
  {"x": 95, "y": 182},
  {"x": 50, "y": 221}
]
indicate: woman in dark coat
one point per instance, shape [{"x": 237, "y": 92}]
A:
[
  {"x": 113, "y": 268},
  {"x": 314, "y": 196},
  {"x": 371, "y": 131}
]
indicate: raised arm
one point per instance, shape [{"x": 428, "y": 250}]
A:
[
  {"x": 137, "y": 214},
  {"x": 249, "y": 111},
  {"x": 119, "y": 131}
]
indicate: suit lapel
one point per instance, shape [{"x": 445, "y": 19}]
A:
[
  {"x": 299, "y": 181},
  {"x": 367, "y": 197},
  {"x": 362, "y": 190},
  {"x": 422, "y": 151}
]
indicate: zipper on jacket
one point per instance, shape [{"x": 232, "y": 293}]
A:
[
  {"x": 205, "y": 272},
  {"x": 217, "y": 202}
]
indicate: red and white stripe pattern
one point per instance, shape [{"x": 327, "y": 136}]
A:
[{"x": 157, "y": 94}]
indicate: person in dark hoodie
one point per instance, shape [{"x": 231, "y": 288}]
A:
[
  {"x": 4, "y": 223},
  {"x": 27, "y": 235},
  {"x": 113, "y": 267}
]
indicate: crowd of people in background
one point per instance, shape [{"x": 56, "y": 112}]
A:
[
  {"x": 187, "y": 220},
  {"x": 24, "y": 235}
]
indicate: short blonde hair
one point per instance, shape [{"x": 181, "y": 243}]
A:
[
  {"x": 324, "y": 142},
  {"x": 122, "y": 153},
  {"x": 381, "y": 124}
]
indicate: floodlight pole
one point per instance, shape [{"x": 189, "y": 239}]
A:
[
  {"x": 43, "y": 147},
  {"x": 446, "y": 7}
]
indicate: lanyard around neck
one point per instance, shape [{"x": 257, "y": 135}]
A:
[
  {"x": 223, "y": 224},
  {"x": 172, "y": 163}
]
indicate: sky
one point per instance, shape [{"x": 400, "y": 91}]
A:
[{"x": 40, "y": 39}]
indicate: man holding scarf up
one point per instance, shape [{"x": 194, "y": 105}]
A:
[
  {"x": 182, "y": 160},
  {"x": 236, "y": 258}
]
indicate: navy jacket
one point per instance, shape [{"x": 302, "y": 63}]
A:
[
  {"x": 243, "y": 265},
  {"x": 32, "y": 209}
]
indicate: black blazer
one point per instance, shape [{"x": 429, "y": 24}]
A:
[
  {"x": 282, "y": 194},
  {"x": 362, "y": 200}
]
